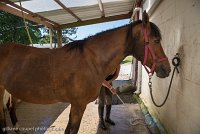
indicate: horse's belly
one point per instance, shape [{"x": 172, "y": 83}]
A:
[{"x": 37, "y": 96}]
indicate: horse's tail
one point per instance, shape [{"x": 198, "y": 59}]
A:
[{"x": 7, "y": 99}]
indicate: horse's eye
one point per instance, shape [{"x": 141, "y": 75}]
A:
[{"x": 157, "y": 40}]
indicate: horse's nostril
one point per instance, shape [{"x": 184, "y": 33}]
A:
[{"x": 165, "y": 70}]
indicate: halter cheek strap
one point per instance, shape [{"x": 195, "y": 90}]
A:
[{"x": 148, "y": 49}]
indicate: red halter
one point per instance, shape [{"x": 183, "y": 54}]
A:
[{"x": 148, "y": 49}]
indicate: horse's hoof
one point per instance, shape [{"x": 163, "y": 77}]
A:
[
  {"x": 3, "y": 130},
  {"x": 67, "y": 132}
]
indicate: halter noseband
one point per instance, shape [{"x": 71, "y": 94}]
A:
[{"x": 148, "y": 49}]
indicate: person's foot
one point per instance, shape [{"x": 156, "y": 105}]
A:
[
  {"x": 102, "y": 125},
  {"x": 110, "y": 121},
  {"x": 107, "y": 119}
]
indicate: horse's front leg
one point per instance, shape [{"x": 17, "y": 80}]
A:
[
  {"x": 76, "y": 114},
  {"x": 67, "y": 130},
  {"x": 11, "y": 105}
]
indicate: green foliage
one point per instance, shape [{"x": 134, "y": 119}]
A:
[
  {"x": 12, "y": 30},
  {"x": 127, "y": 60},
  {"x": 67, "y": 33}
]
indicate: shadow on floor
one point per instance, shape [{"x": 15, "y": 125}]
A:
[{"x": 33, "y": 117}]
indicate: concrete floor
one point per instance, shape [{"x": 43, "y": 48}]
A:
[{"x": 52, "y": 119}]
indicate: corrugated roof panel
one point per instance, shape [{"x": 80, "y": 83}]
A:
[
  {"x": 118, "y": 8},
  {"x": 84, "y": 13},
  {"x": 106, "y": 1},
  {"x": 83, "y": 9},
  {"x": 117, "y": 1},
  {"x": 59, "y": 15},
  {"x": 62, "y": 19},
  {"x": 87, "y": 12},
  {"x": 18, "y": 0},
  {"x": 40, "y": 5},
  {"x": 79, "y": 3}
]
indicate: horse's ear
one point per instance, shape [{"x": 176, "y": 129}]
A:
[{"x": 145, "y": 18}]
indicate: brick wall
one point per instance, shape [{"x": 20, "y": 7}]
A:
[{"x": 179, "y": 22}]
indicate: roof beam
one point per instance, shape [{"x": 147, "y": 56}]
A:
[
  {"x": 101, "y": 8},
  {"x": 28, "y": 14},
  {"x": 67, "y": 9},
  {"x": 98, "y": 20}
]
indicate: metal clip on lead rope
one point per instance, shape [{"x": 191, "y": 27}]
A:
[{"x": 176, "y": 62}]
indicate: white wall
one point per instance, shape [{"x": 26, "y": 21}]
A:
[{"x": 179, "y": 21}]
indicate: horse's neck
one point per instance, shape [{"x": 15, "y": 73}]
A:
[{"x": 110, "y": 48}]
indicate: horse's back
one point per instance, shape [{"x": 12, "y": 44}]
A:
[
  {"x": 17, "y": 58},
  {"x": 25, "y": 70},
  {"x": 41, "y": 75}
]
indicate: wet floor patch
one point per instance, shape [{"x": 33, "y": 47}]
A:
[{"x": 128, "y": 119}]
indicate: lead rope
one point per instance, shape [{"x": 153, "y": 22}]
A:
[
  {"x": 25, "y": 24},
  {"x": 175, "y": 62}
]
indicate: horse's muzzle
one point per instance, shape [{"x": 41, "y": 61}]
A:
[{"x": 163, "y": 71}]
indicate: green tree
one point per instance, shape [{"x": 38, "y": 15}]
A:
[
  {"x": 66, "y": 36},
  {"x": 12, "y": 30},
  {"x": 67, "y": 33}
]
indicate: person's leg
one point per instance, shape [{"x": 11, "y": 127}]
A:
[
  {"x": 108, "y": 106},
  {"x": 101, "y": 108}
]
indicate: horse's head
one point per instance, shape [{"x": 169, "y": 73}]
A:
[{"x": 149, "y": 50}]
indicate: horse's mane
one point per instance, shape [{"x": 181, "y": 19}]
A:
[
  {"x": 110, "y": 30},
  {"x": 79, "y": 44},
  {"x": 155, "y": 31}
]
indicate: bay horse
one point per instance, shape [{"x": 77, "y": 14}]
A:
[{"x": 75, "y": 72}]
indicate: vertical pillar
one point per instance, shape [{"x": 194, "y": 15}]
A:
[
  {"x": 139, "y": 65},
  {"x": 59, "y": 32},
  {"x": 137, "y": 68},
  {"x": 50, "y": 38}
]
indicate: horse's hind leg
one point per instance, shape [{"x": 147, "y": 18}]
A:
[
  {"x": 76, "y": 114},
  {"x": 11, "y": 105},
  {"x": 2, "y": 114},
  {"x": 2, "y": 122}
]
